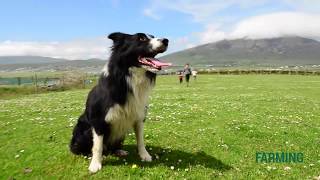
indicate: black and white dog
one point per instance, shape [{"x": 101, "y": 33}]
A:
[{"x": 117, "y": 103}]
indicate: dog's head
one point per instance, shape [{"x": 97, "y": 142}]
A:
[{"x": 138, "y": 50}]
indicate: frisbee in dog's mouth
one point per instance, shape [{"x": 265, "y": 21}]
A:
[{"x": 152, "y": 64}]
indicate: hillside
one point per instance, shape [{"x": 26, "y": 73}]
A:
[
  {"x": 28, "y": 60},
  {"x": 91, "y": 65},
  {"x": 244, "y": 52}
]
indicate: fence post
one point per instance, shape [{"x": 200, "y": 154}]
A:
[
  {"x": 62, "y": 82},
  {"x": 46, "y": 81},
  {"x": 83, "y": 82},
  {"x": 36, "y": 82},
  {"x": 19, "y": 81}
]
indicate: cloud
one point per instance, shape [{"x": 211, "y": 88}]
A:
[
  {"x": 211, "y": 34},
  {"x": 149, "y": 13},
  {"x": 203, "y": 11},
  {"x": 278, "y": 24},
  {"x": 199, "y": 10},
  {"x": 76, "y": 49},
  {"x": 265, "y": 26}
]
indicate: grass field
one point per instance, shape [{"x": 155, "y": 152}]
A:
[{"x": 211, "y": 129}]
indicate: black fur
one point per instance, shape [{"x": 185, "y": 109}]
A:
[{"x": 110, "y": 90}]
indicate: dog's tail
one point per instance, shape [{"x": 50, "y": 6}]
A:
[{"x": 81, "y": 142}]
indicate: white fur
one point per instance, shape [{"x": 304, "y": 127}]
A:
[
  {"x": 123, "y": 118},
  {"x": 143, "y": 153},
  {"x": 97, "y": 149},
  {"x": 155, "y": 43}
]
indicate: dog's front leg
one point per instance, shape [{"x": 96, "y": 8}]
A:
[
  {"x": 97, "y": 148},
  {"x": 143, "y": 153}
]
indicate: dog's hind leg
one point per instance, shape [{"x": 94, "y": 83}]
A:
[
  {"x": 117, "y": 148},
  {"x": 120, "y": 153},
  {"x": 97, "y": 148},
  {"x": 143, "y": 153},
  {"x": 81, "y": 142}
]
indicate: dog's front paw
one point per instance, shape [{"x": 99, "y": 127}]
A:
[
  {"x": 145, "y": 156},
  {"x": 94, "y": 166}
]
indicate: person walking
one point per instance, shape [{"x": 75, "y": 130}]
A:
[{"x": 187, "y": 73}]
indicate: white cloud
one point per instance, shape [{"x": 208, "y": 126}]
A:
[
  {"x": 199, "y": 10},
  {"x": 77, "y": 49},
  {"x": 211, "y": 34},
  {"x": 204, "y": 11},
  {"x": 278, "y": 24},
  {"x": 264, "y": 26},
  {"x": 149, "y": 13}
]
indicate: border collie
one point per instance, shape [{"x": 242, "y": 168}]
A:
[{"x": 117, "y": 103}]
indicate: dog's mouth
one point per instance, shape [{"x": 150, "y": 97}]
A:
[{"x": 152, "y": 64}]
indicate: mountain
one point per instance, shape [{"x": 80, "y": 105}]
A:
[
  {"x": 243, "y": 52},
  {"x": 28, "y": 60}
]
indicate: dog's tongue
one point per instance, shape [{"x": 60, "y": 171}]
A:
[{"x": 159, "y": 63}]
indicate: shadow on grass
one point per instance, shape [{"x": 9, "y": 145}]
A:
[{"x": 170, "y": 157}]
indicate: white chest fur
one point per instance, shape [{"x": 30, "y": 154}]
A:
[{"x": 122, "y": 118}]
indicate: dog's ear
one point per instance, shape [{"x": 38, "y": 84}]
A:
[{"x": 117, "y": 36}]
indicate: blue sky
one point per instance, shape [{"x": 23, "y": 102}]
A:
[{"x": 77, "y": 29}]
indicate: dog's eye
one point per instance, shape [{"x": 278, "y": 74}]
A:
[{"x": 143, "y": 39}]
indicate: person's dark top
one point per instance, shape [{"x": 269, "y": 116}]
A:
[{"x": 187, "y": 71}]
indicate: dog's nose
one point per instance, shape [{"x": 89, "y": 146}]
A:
[{"x": 165, "y": 41}]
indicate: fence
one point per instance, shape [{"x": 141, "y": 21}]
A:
[
  {"x": 262, "y": 71},
  {"x": 50, "y": 83},
  {"x": 28, "y": 81},
  {"x": 83, "y": 80}
]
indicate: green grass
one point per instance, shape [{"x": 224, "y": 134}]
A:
[{"x": 211, "y": 129}]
